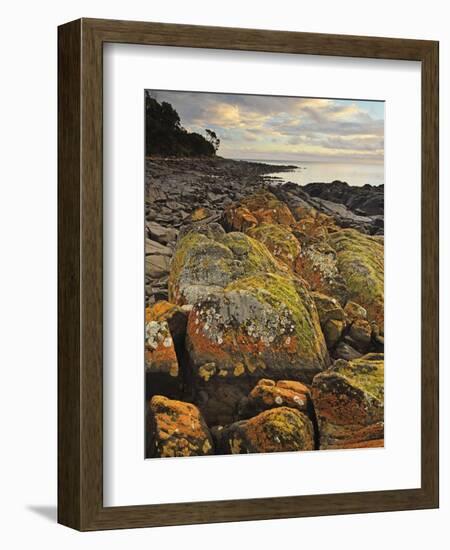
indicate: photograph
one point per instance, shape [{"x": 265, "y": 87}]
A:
[{"x": 264, "y": 273}]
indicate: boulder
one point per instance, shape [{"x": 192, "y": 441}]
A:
[
  {"x": 176, "y": 318},
  {"x": 317, "y": 263},
  {"x": 265, "y": 207},
  {"x": 332, "y": 317},
  {"x": 265, "y": 326},
  {"x": 279, "y": 240},
  {"x": 207, "y": 259},
  {"x": 175, "y": 429},
  {"x": 360, "y": 260},
  {"x": 349, "y": 403},
  {"x": 275, "y": 430},
  {"x": 239, "y": 218},
  {"x": 354, "y": 311},
  {"x": 361, "y": 334},
  {"x": 161, "y": 363},
  {"x": 345, "y": 351},
  {"x": 268, "y": 394}
]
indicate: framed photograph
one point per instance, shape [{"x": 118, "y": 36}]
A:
[{"x": 248, "y": 274}]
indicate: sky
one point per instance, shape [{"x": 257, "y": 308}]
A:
[{"x": 285, "y": 128}]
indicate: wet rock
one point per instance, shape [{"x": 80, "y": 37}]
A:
[
  {"x": 275, "y": 430},
  {"x": 349, "y": 403},
  {"x": 279, "y": 240},
  {"x": 161, "y": 363},
  {"x": 176, "y": 429}
]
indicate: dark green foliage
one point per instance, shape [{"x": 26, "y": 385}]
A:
[{"x": 164, "y": 135}]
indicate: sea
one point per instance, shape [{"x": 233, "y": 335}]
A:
[{"x": 312, "y": 171}]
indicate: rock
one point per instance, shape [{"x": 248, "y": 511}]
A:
[
  {"x": 200, "y": 214},
  {"x": 318, "y": 265},
  {"x": 160, "y": 233},
  {"x": 161, "y": 363},
  {"x": 265, "y": 326},
  {"x": 275, "y": 430},
  {"x": 176, "y": 318},
  {"x": 239, "y": 218},
  {"x": 279, "y": 240},
  {"x": 345, "y": 351},
  {"x": 265, "y": 207},
  {"x": 207, "y": 259},
  {"x": 157, "y": 266},
  {"x": 176, "y": 429},
  {"x": 268, "y": 394},
  {"x": 360, "y": 260},
  {"x": 361, "y": 334},
  {"x": 377, "y": 339},
  {"x": 349, "y": 403},
  {"x": 155, "y": 248},
  {"x": 331, "y": 316},
  {"x": 354, "y": 311},
  {"x": 367, "y": 199}
]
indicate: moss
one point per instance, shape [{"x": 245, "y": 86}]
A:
[{"x": 360, "y": 261}]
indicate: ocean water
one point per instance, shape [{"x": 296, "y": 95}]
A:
[{"x": 308, "y": 172}]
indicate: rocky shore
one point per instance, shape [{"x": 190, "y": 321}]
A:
[{"x": 264, "y": 311}]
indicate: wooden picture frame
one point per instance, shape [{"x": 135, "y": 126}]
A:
[{"x": 80, "y": 271}]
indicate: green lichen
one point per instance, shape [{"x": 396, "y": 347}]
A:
[
  {"x": 365, "y": 373},
  {"x": 287, "y": 297},
  {"x": 216, "y": 259},
  {"x": 360, "y": 260},
  {"x": 278, "y": 239}
]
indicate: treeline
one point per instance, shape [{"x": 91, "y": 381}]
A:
[{"x": 165, "y": 136}]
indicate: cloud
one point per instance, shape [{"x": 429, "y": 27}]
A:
[{"x": 285, "y": 127}]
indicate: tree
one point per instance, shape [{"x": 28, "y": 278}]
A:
[
  {"x": 165, "y": 136},
  {"x": 213, "y": 139}
]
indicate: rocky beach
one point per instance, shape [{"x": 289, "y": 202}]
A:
[{"x": 264, "y": 310}]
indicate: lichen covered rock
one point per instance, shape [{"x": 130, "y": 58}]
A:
[
  {"x": 360, "y": 260},
  {"x": 207, "y": 259},
  {"x": 176, "y": 429},
  {"x": 349, "y": 403},
  {"x": 265, "y": 326},
  {"x": 268, "y": 394},
  {"x": 279, "y": 240},
  {"x": 161, "y": 363},
  {"x": 275, "y": 430},
  {"x": 332, "y": 317},
  {"x": 239, "y": 218},
  {"x": 266, "y": 208},
  {"x": 317, "y": 264}
]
